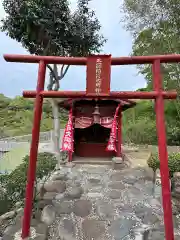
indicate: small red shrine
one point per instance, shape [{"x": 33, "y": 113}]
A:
[{"x": 92, "y": 121}]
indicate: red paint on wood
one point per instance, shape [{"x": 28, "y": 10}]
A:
[
  {"x": 98, "y": 74},
  {"x": 113, "y": 95},
  {"x": 163, "y": 154},
  {"x": 93, "y": 150},
  {"x": 70, "y": 156},
  {"x": 31, "y": 175},
  {"x": 170, "y": 58},
  {"x": 119, "y": 134}
]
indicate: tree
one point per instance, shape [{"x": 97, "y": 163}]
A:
[
  {"x": 155, "y": 25},
  {"x": 155, "y": 28},
  {"x": 161, "y": 41},
  {"x": 51, "y": 28},
  {"x": 19, "y": 103},
  {"x": 143, "y": 14}
]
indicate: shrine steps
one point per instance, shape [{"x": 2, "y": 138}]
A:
[{"x": 92, "y": 161}]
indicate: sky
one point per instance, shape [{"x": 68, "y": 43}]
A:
[{"x": 16, "y": 77}]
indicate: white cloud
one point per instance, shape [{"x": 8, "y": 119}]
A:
[
  {"x": 2, "y": 12},
  {"x": 73, "y": 4}
]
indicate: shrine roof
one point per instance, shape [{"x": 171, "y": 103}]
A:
[{"x": 67, "y": 103}]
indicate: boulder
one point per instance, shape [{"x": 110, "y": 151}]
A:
[
  {"x": 93, "y": 229},
  {"x": 74, "y": 192},
  {"x": 59, "y": 175},
  {"x": 65, "y": 207},
  {"x": 55, "y": 186},
  {"x": 18, "y": 204},
  {"x": 50, "y": 195},
  {"x": 7, "y": 215},
  {"x": 48, "y": 215},
  {"x": 82, "y": 208}
]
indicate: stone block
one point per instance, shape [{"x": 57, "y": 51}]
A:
[
  {"x": 55, "y": 186},
  {"x": 49, "y": 195},
  {"x": 48, "y": 215},
  {"x": 177, "y": 175},
  {"x": 93, "y": 229},
  {"x": 120, "y": 228},
  {"x": 94, "y": 195},
  {"x": 42, "y": 229},
  {"x": 82, "y": 208},
  {"x": 74, "y": 192},
  {"x": 65, "y": 207},
  {"x": 59, "y": 176},
  {"x": 7, "y": 215},
  {"x": 43, "y": 203},
  {"x": 105, "y": 210},
  {"x": 116, "y": 185},
  {"x": 118, "y": 163},
  {"x": 115, "y": 194},
  {"x": 117, "y": 159}
]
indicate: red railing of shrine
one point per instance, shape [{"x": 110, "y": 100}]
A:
[{"x": 158, "y": 94}]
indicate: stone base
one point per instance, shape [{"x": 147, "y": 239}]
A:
[{"x": 118, "y": 163}]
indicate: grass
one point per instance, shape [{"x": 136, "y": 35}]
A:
[{"x": 13, "y": 158}]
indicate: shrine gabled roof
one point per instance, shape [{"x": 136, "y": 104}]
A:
[{"x": 67, "y": 103}]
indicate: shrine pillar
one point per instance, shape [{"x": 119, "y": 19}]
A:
[
  {"x": 70, "y": 156},
  {"x": 119, "y": 134},
  {"x": 56, "y": 131}
]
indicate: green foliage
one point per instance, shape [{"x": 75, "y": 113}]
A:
[
  {"x": 15, "y": 182},
  {"x": 51, "y": 28},
  {"x": 144, "y": 14},
  {"x": 16, "y": 116},
  {"x": 173, "y": 163},
  {"x": 153, "y": 162},
  {"x": 155, "y": 27},
  {"x": 162, "y": 40},
  {"x": 46, "y": 162},
  {"x": 139, "y": 124},
  {"x": 5, "y": 203}
]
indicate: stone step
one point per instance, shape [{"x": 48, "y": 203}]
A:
[{"x": 96, "y": 161}]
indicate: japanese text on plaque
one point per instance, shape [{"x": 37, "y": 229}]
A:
[{"x": 98, "y": 76}]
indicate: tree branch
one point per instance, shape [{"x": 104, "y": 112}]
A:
[
  {"x": 52, "y": 72},
  {"x": 55, "y": 79},
  {"x": 62, "y": 68},
  {"x": 65, "y": 71}
]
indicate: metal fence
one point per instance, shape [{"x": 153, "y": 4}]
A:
[{"x": 44, "y": 137}]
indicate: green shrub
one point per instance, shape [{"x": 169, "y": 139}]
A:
[
  {"x": 46, "y": 163},
  {"x": 173, "y": 163},
  {"x": 153, "y": 162},
  {"x": 15, "y": 182}
]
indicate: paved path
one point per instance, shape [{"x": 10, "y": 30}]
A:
[{"x": 114, "y": 205}]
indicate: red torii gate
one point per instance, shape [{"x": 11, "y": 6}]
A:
[{"x": 158, "y": 94}]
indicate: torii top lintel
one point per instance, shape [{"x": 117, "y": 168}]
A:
[
  {"x": 170, "y": 58},
  {"x": 155, "y": 60}
]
